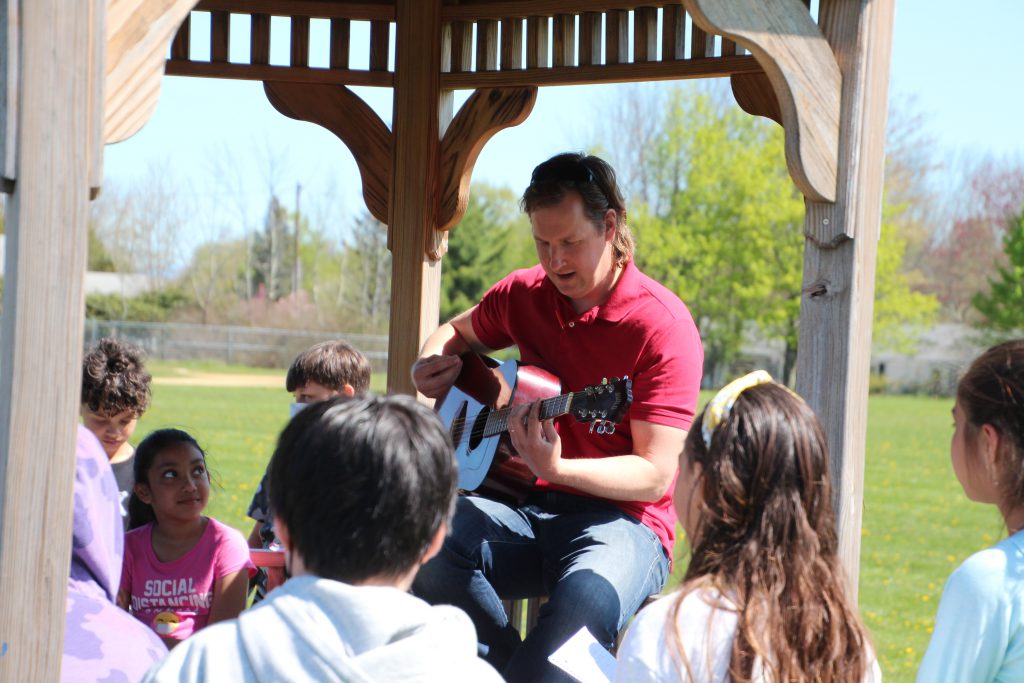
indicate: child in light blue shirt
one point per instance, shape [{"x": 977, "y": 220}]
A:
[{"x": 979, "y": 628}]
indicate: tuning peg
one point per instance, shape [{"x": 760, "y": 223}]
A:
[
  {"x": 609, "y": 427},
  {"x": 592, "y": 425}
]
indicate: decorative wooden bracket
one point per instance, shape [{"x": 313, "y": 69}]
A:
[
  {"x": 754, "y": 94},
  {"x": 342, "y": 112},
  {"x": 138, "y": 33},
  {"x": 486, "y": 112},
  {"x": 802, "y": 70}
]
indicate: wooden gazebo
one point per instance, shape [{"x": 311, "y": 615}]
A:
[{"x": 77, "y": 75}]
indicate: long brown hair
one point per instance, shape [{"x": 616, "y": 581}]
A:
[
  {"x": 765, "y": 539},
  {"x": 992, "y": 392}
]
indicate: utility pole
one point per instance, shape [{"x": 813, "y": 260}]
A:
[{"x": 297, "y": 265}]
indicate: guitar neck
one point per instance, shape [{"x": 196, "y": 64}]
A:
[{"x": 497, "y": 420}]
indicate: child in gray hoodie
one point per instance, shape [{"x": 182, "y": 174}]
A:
[{"x": 362, "y": 491}]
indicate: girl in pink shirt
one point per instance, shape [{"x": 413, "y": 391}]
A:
[{"x": 181, "y": 570}]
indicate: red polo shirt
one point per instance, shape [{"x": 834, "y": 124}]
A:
[{"x": 642, "y": 331}]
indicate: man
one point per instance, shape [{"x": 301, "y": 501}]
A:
[
  {"x": 596, "y": 533},
  {"x": 361, "y": 490}
]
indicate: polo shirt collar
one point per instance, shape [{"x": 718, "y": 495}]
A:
[{"x": 619, "y": 303}]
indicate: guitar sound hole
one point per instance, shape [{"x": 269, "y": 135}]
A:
[
  {"x": 459, "y": 424},
  {"x": 477, "y": 433}
]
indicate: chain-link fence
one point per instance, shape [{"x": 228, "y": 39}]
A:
[{"x": 253, "y": 346}]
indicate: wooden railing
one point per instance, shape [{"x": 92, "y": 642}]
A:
[{"x": 485, "y": 44}]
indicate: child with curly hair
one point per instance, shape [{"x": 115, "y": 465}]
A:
[{"x": 115, "y": 394}]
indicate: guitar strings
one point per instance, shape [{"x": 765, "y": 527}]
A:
[{"x": 499, "y": 418}]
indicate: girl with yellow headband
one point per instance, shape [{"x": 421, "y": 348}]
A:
[{"x": 763, "y": 598}]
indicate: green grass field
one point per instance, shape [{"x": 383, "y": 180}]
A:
[{"x": 917, "y": 523}]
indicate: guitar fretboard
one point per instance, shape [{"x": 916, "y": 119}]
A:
[{"x": 497, "y": 420}]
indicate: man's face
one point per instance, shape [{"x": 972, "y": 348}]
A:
[
  {"x": 311, "y": 392},
  {"x": 576, "y": 255},
  {"x": 113, "y": 431}
]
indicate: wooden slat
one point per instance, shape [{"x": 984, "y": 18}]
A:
[
  {"x": 259, "y": 39},
  {"x": 300, "y": 41},
  {"x": 8, "y": 94},
  {"x": 320, "y": 9},
  {"x": 590, "y": 38},
  {"x": 537, "y": 31},
  {"x": 487, "y": 45},
  {"x": 180, "y": 44},
  {"x": 718, "y": 67},
  {"x": 380, "y": 44},
  {"x": 673, "y": 32},
  {"x": 341, "y": 32},
  {"x": 564, "y": 44},
  {"x": 645, "y": 34},
  {"x": 836, "y": 302},
  {"x": 701, "y": 44},
  {"x": 220, "y": 36},
  {"x": 616, "y": 39},
  {"x": 41, "y": 330},
  {"x": 260, "y": 72},
  {"x": 532, "y": 8},
  {"x": 462, "y": 47},
  {"x": 728, "y": 47},
  {"x": 512, "y": 43}
]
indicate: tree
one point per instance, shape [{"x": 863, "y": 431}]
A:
[
  {"x": 492, "y": 239},
  {"x": 1003, "y": 305}
]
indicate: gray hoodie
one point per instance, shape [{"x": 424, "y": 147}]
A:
[{"x": 313, "y": 629}]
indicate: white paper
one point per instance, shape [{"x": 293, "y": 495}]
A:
[{"x": 583, "y": 658}]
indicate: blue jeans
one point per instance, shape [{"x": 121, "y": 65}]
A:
[{"x": 595, "y": 563}]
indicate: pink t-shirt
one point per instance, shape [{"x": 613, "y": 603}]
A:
[
  {"x": 643, "y": 330},
  {"x": 174, "y": 598}
]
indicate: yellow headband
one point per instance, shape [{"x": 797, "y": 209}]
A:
[{"x": 718, "y": 408}]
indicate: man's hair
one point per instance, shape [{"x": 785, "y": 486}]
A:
[
  {"x": 332, "y": 364},
  {"x": 114, "y": 378},
  {"x": 594, "y": 180},
  {"x": 362, "y": 485},
  {"x": 765, "y": 537}
]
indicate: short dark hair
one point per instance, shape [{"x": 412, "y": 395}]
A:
[
  {"x": 332, "y": 364},
  {"x": 114, "y": 378},
  {"x": 594, "y": 180},
  {"x": 362, "y": 485}
]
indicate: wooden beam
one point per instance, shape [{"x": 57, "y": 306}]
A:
[
  {"x": 839, "y": 272},
  {"x": 220, "y": 36},
  {"x": 616, "y": 37},
  {"x": 342, "y": 112},
  {"x": 590, "y": 38},
  {"x": 420, "y": 115},
  {"x": 802, "y": 68},
  {"x": 300, "y": 41},
  {"x": 8, "y": 94},
  {"x": 41, "y": 327},
  {"x": 673, "y": 33},
  {"x": 138, "y": 33},
  {"x": 537, "y": 33},
  {"x": 380, "y": 45},
  {"x": 511, "y": 44},
  {"x": 645, "y": 34},
  {"x": 484, "y": 114},
  {"x": 718, "y": 67},
  {"x": 287, "y": 74},
  {"x": 318, "y": 9},
  {"x": 487, "y": 45}
]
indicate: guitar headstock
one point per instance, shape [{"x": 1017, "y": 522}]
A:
[{"x": 603, "y": 405}]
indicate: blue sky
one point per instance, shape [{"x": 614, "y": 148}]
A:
[{"x": 962, "y": 68}]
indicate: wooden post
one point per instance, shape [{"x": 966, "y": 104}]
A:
[
  {"x": 421, "y": 114},
  {"x": 839, "y": 258},
  {"x": 42, "y": 324}
]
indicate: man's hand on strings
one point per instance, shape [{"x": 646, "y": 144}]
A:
[
  {"x": 535, "y": 440},
  {"x": 434, "y": 375}
]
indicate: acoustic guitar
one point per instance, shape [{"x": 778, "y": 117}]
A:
[{"x": 476, "y": 410}]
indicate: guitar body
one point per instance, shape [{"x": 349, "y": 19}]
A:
[
  {"x": 488, "y": 465},
  {"x": 476, "y": 412}
]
